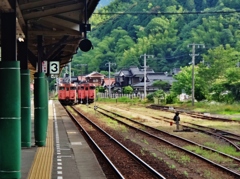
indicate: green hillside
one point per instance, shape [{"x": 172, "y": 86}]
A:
[
  {"x": 122, "y": 38},
  {"x": 126, "y": 29}
]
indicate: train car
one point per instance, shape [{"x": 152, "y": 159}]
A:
[
  {"x": 90, "y": 92},
  {"x": 67, "y": 93},
  {"x": 86, "y": 93},
  {"x": 80, "y": 93}
]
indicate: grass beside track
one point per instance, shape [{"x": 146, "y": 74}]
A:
[{"x": 225, "y": 110}]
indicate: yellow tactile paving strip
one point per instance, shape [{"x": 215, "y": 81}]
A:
[{"x": 42, "y": 164}]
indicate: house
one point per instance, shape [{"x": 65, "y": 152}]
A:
[
  {"x": 131, "y": 76},
  {"x": 134, "y": 77},
  {"x": 162, "y": 76},
  {"x": 81, "y": 78},
  {"x": 95, "y": 78},
  {"x": 151, "y": 78},
  {"x": 175, "y": 71},
  {"x": 109, "y": 82}
]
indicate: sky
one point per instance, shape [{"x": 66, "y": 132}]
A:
[{"x": 103, "y": 3}]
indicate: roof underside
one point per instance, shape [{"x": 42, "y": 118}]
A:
[{"x": 57, "y": 21}]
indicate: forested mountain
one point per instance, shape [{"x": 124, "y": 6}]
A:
[
  {"x": 166, "y": 29},
  {"x": 122, "y": 38}
]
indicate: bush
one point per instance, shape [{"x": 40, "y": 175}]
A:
[
  {"x": 127, "y": 90},
  {"x": 100, "y": 89},
  {"x": 171, "y": 98},
  {"x": 150, "y": 97},
  {"x": 157, "y": 94}
]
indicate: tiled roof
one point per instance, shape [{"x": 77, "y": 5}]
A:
[
  {"x": 125, "y": 73},
  {"x": 134, "y": 70},
  {"x": 95, "y": 74},
  {"x": 107, "y": 81},
  {"x": 141, "y": 84}
]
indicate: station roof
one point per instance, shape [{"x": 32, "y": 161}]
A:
[{"x": 58, "y": 21}]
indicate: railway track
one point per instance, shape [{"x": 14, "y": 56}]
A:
[
  {"x": 192, "y": 114},
  {"x": 231, "y": 138},
  {"x": 178, "y": 141},
  {"x": 128, "y": 166}
]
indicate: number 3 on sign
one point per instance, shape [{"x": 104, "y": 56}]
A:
[{"x": 54, "y": 67}]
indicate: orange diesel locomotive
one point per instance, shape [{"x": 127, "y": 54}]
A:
[
  {"x": 86, "y": 93},
  {"x": 67, "y": 93}
]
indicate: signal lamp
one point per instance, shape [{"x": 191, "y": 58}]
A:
[{"x": 85, "y": 45}]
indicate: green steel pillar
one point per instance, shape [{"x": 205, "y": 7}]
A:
[
  {"x": 10, "y": 120},
  {"x": 40, "y": 109},
  {"x": 10, "y": 98},
  {"x": 25, "y": 109},
  {"x": 46, "y": 101},
  {"x": 22, "y": 56}
]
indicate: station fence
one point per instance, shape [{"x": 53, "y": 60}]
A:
[{"x": 117, "y": 95}]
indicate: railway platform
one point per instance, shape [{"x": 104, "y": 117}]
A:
[{"x": 66, "y": 154}]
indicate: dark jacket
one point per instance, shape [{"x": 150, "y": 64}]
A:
[{"x": 176, "y": 117}]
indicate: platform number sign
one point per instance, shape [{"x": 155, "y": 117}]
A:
[{"x": 54, "y": 67}]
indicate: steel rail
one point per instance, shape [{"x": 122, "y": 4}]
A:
[
  {"x": 194, "y": 154},
  {"x": 95, "y": 144},
  {"x": 192, "y": 113},
  {"x": 126, "y": 149}
]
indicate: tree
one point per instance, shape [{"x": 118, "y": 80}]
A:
[
  {"x": 127, "y": 90},
  {"x": 184, "y": 82},
  {"x": 163, "y": 85},
  {"x": 220, "y": 73},
  {"x": 123, "y": 38},
  {"x": 101, "y": 89},
  {"x": 190, "y": 5}
]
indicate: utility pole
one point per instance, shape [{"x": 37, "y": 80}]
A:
[
  {"x": 66, "y": 75},
  {"x": 56, "y": 84},
  {"x": 193, "y": 64},
  {"x": 109, "y": 86},
  {"x": 145, "y": 72},
  {"x": 70, "y": 72}
]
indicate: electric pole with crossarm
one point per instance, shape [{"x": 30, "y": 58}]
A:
[
  {"x": 193, "y": 64},
  {"x": 145, "y": 72},
  {"x": 109, "y": 69}
]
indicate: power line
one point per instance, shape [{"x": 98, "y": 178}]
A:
[
  {"x": 166, "y": 58},
  {"x": 169, "y": 13}
]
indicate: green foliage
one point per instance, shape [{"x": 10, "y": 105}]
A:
[
  {"x": 127, "y": 90},
  {"x": 52, "y": 82},
  {"x": 100, "y": 89},
  {"x": 161, "y": 85},
  {"x": 160, "y": 94},
  {"x": 150, "y": 97},
  {"x": 171, "y": 98},
  {"x": 123, "y": 38}
]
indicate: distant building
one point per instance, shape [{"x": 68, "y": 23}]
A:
[
  {"x": 130, "y": 76},
  {"x": 95, "y": 78},
  {"x": 134, "y": 77}
]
